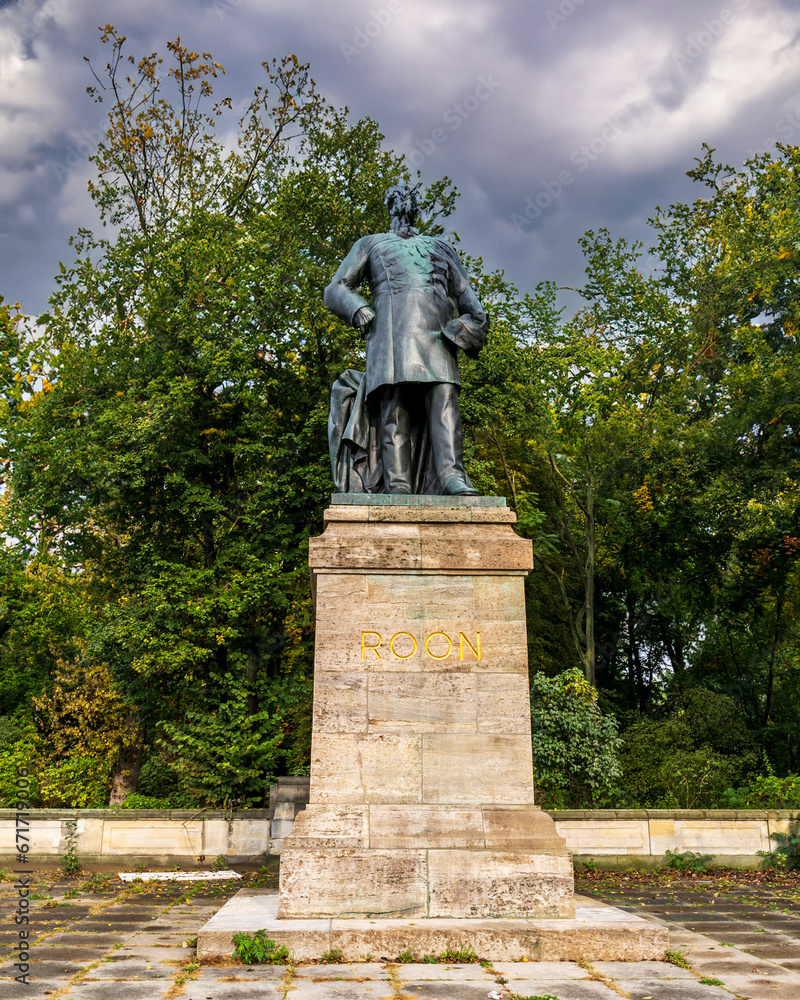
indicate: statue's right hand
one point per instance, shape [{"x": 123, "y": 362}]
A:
[{"x": 363, "y": 320}]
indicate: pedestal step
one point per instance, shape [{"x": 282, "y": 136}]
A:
[{"x": 596, "y": 933}]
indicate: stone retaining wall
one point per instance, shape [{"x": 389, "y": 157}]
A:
[{"x": 611, "y": 838}]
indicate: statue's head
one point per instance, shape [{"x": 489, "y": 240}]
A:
[{"x": 401, "y": 201}]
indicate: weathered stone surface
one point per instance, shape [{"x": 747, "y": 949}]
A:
[
  {"x": 422, "y": 703},
  {"x": 606, "y": 837},
  {"x": 364, "y": 883},
  {"x": 500, "y": 884},
  {"x": 397, "y": 827},
  {"x": 374, "y": 644},
  {"x": 128, "y": 837},
  {"x": 597, "y": 933},
  {"x": 387, "y": 543},
  {"x": 504, "y": 703},
  {"x": 372, "y": 768},
  {"x": 491, "y": 768},
  {"x": 324, "y": 826},
  {"x": 340, "y": 702},
  {"x": 520, "y": 828}
]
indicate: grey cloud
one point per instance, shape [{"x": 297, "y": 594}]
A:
[{"x": 415, "y": 69}]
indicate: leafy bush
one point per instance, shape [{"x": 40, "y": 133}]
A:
[
  {"x": 574, "y": 745},
  {"x": 688, "y": 861},
  {"x": 134, "y": 800},
  {"x": 257, "y": 948},
  {"x": 224, "y": 757},
  {"x": 769, "y": 792},
  {"x": 786, "y": 855}
]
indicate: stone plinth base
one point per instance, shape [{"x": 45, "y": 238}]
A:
[{"x": 596, "y": 933}]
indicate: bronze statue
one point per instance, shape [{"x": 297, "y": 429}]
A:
[{"x": 396, "y": 428}]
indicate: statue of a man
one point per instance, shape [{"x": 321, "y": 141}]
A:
[{"x": 397, "y": 427}]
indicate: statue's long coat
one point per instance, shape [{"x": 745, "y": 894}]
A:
[{"x": 418, "y": 286}]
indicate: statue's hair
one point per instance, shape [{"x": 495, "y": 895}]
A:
[{"x": 401, "y": 200}]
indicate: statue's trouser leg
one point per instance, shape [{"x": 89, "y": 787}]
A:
[
  {"x": 444, "y": 427},
  {"x": 395, "y": 440}
]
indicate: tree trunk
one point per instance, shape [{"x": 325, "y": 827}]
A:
[{"x": 126, "y": 773}]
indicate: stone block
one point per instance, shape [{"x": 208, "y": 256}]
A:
[
  {"x": 465, "y": 769},
  {"x": 325, "y": 826},
  {"x": 421, "y": 515},
  {"x": 662, "y": 835},
  {"x": 721, "y": 836},
  {"x": 607, "y": 837},
  {"x": 404, "y": 596},
  {"x": 215, "y": 837},
  {"x": 504, "y": 703},
  {"x": 90, "y": 836},
  {"x": 493, "y": 515},
  {"x": 520, "y": 828},
  {"x": 397, "y": 827},
  {"x": 340, "y": 702},
  {"x": 160, "y": 837},
  {"x": 249, "y": 838},
  {"x": 500, "y": 884},
  {"x": 352, "y": 883},
  {"x": 44, "y": 836},
  {"x": 373, "y": 768},
  {"x": 500, "y": 599},
  {"x": 373, "y": 644},
  {"x": 422, "y": 703}
]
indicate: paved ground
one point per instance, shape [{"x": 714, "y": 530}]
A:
[{"x": 97, "y": 939}]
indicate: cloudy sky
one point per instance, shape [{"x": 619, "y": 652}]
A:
[{"x": 552, "y": 116}]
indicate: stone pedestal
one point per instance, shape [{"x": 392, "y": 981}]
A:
[{"x": 421, "y": 798}]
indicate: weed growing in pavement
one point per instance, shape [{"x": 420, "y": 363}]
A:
[
  {"x": 332, "y": 957},
  {"x": 678, "y": 958},
  {"x": 70, "y": 865},
  {"x": 450, "y": 956},
  {"x": 711, "y": 982},
  {"x": 538, "y": 996},
  {"x": 220, "y": 864},
  {"x": 252, "y": 949}
]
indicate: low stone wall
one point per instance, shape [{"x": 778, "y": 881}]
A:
[
  {"x": 628, "y": 838},
  {"x": 610, "y": 838},
  {"x": 152, "y": 835}
]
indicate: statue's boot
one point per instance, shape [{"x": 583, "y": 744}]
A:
[
  {"x": 395, "y": 441},
  {"x": 447, "y": 442}
]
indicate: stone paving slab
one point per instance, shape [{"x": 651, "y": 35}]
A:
[
  {"x": 33, "y": 991},
  {"x": 237, "y": 991},
  {"x": 544, "y": 970},
  {"x": 132, "y": 968},
  {"x": 413, "y": 972},
  {"x": 660, "y": 989},
  {"x": 353, "y": 970},
  {"x": 574, "y": 990},
  {"x": 248, "y": 973},
  {"x": 116, "y": 991},
  {"x": 640, "y": 970}
]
